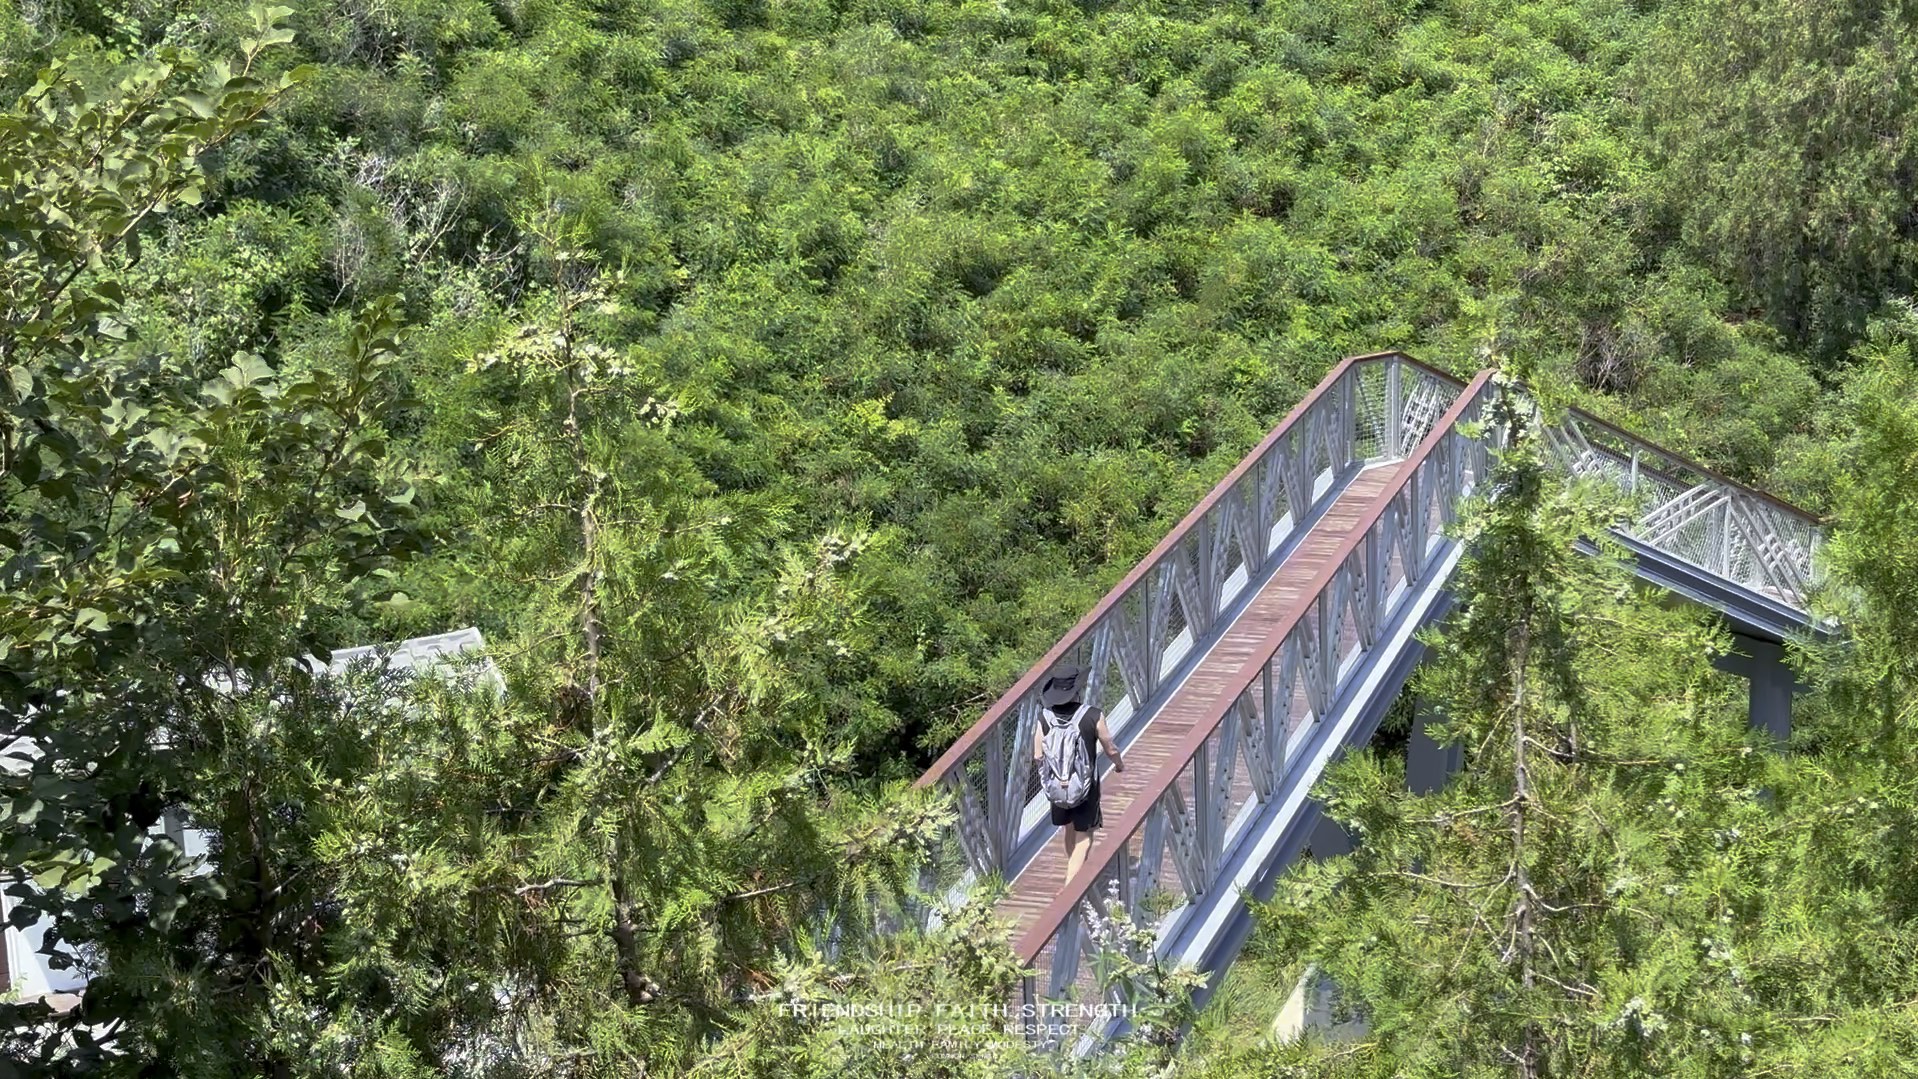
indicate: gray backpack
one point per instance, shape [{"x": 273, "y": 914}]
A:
[{"x": 1065, "y": 770}]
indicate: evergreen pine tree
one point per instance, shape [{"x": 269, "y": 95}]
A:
[
  {"x": 690, "y": 812},
  {"x": 1559, "y": 907}
]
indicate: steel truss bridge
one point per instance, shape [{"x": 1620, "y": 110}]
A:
[{"x": 1274, "y": 627}]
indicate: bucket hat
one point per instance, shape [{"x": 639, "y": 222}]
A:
[{"x": 1065, "y": 684}]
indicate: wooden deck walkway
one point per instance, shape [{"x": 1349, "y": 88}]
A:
[{"x": 1034, "y": 888}]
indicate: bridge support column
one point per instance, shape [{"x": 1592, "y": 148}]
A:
[
  {"x": 1428, "y": 764},
  {"x": 1329, "y": 839},
  {"x": 1762, "y": 664}
]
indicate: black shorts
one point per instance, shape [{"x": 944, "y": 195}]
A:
[{"x": 1083, "y": 817}]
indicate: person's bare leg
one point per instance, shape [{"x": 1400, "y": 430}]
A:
[{"x": 1076, "y": 847}]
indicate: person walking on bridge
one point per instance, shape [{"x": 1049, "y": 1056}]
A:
[{"x": 1066, "y": 750}]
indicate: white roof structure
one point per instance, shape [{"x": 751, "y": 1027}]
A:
[
  {"x": 456, "y": 658},
  {"x": 414, "y": 653}
]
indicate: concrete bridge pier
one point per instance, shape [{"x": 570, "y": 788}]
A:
[
  {"x": 1427, "y": 767},
  {"x": 1329, "y": 839},
  {"x": 1427, "y": 764},
  {"x": 1762, "y": 663}
]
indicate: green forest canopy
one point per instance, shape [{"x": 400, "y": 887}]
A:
[{"x": 772, "y": 382}]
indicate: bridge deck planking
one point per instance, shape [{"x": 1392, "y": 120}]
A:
[{"x": 1034, "y": 888}]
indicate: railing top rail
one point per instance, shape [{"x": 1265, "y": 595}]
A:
[
  {"x": 1679, "y": 459},
  {"x": 1035, "y": 938},
  {"x": 1395, "y": 354},
  {"x": 1637, "y": 440},
  {"x": 1009, "y": 701}
]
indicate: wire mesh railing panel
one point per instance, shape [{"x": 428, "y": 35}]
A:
[
  {"x": 1425, "y": 397},
  {"x": 1693, "y": 514},
  {"x": 1372, "y": 411}
]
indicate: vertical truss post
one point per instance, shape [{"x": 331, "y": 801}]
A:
[
  {"x": 1210, "y": 536},
  {"x": 1417, "y": 543},
  {"x": 1221, "y": 804},
  {"x": 1291, "y": 655},
  {"x": 1323, "y": 661},
  {"x": 1252, "y": 734},
  {"x": 1029, "y": 1005},
  {"x": 1101, "y": 660},
  {"x": 1185, "y": 847},
  {"x": 1392, "y": 437},
  {"x": 1066, "y": 946},
  {"x": 976, "y": 835},
  {"x": 1151, "y": 852},
  {"x": 1727, "y": 535},
  {"x": 1019, "y": 772},
  {"x": 1158, "y": 620},
  {"x": 1202, "y": 808},
  {"x": 1298, "y": 477},
  {"x": 1128, "y": 636},
  {"x": 1273, "y": 716},
  {"x": 1271, "y": 485},
  {"x": 1348, "y": 424},
  {"x": 995, "y": 762},
  {"x": 1449, "y": 481},
  {"x": 1373, "y": 555}
]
